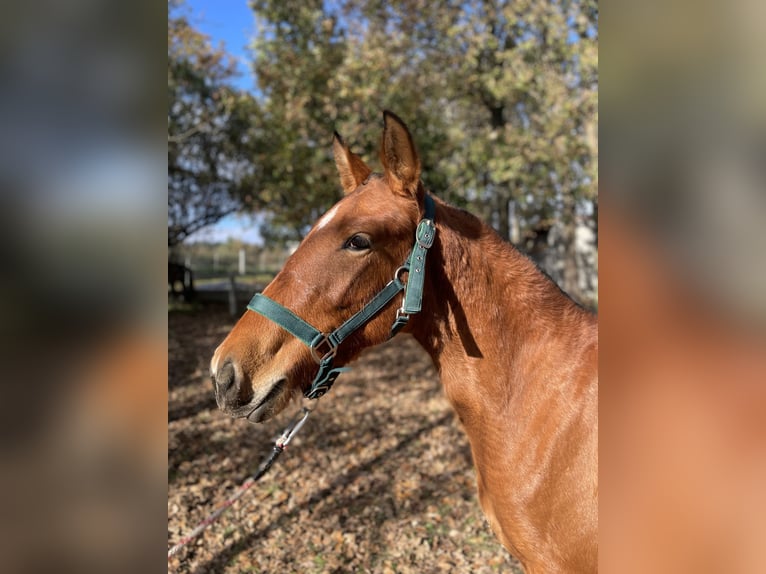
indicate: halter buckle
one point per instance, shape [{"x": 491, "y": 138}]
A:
[
  {"x": 322, "y": 339},
  {"x": 425, "y": 233}
]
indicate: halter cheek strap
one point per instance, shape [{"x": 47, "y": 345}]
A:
[{"x": 324, "y": 346}]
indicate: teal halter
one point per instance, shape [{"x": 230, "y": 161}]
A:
[{"x": 324, "y": 346}]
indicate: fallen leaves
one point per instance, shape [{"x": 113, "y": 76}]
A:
[{"x": 379, "y": 480}]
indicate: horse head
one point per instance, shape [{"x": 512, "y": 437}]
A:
[{"x": 349, "y": 255}]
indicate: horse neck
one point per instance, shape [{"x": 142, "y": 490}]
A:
[{"x": 491, "y": 319}]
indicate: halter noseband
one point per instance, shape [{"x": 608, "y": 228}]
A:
[{"x": 324, "y": 346}]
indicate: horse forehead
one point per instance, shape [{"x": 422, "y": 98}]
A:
[
  {"x": 349, "y": 204},
  {"x": 362, "y": 202},
  {"x": 327, "y": 217}
]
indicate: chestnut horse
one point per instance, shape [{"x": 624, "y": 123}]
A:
[{"x": 517, "y": 357}]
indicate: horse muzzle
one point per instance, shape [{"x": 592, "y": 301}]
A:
[
  {"x": 236, "y": 397},
  {"x": 232, "y": 395}
]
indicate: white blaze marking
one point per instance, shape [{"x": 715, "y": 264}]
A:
[{"x": 326, "y": 218}]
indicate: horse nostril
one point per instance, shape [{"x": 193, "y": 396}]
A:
[{"x": 225, "y": 377}]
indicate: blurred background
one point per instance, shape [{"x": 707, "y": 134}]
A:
[
  {"x": 502, "y": 99},
  {"x": 682, "y": 397},
  {"x": 83, "y": 327}
]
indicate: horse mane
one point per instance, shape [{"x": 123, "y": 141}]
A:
[{"x": 513, "y": 269}]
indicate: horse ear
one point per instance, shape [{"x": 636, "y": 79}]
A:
[
  {"x": 351, "y": 168},
  {"x": 399, "y": 157}
]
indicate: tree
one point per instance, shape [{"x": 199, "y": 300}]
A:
[
  {"x": 297, "y": 51},
  {"x": 500, "y": 94},
  {"x": 508, "y": 90},
  {"x": 207, "y": 125}
]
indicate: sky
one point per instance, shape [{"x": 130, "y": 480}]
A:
[
  {"x": 229, "y": 21},
  {"x": 237, "y": 226}
]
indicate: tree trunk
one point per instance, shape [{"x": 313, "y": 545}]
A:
[
  {"x": 570, "y": 275},
  {"x": 503, "y": 209}
]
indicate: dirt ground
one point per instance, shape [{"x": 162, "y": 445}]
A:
[{"x": 379, "y": 480}]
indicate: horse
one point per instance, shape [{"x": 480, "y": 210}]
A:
[
  {"x": 517, "y": 358},
  {"x": 180, "y": 274}
]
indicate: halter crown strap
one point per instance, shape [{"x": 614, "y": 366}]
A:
[
  {"x": 324, "y": 346},
  {"x": 416, "y": 265}
]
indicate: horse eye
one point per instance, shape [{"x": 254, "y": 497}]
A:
[{"x": 358, "y": 242}]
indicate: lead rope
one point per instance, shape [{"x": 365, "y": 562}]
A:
[{"x": 279, "y": 447}]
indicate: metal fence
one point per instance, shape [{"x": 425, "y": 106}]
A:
[{"x": 210, "y": 261}]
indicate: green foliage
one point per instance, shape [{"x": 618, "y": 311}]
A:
[
  {"x": 207, "y": 125},
  {"x": 501, "y": 96},
  {"x": 297, "y": 52}
]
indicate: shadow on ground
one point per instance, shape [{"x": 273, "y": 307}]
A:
[{"x": 379, "y": 480}]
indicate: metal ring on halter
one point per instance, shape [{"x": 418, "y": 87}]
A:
[
  {"x": 400, "y": 270},
  {"x": 318, "y": 342}
]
